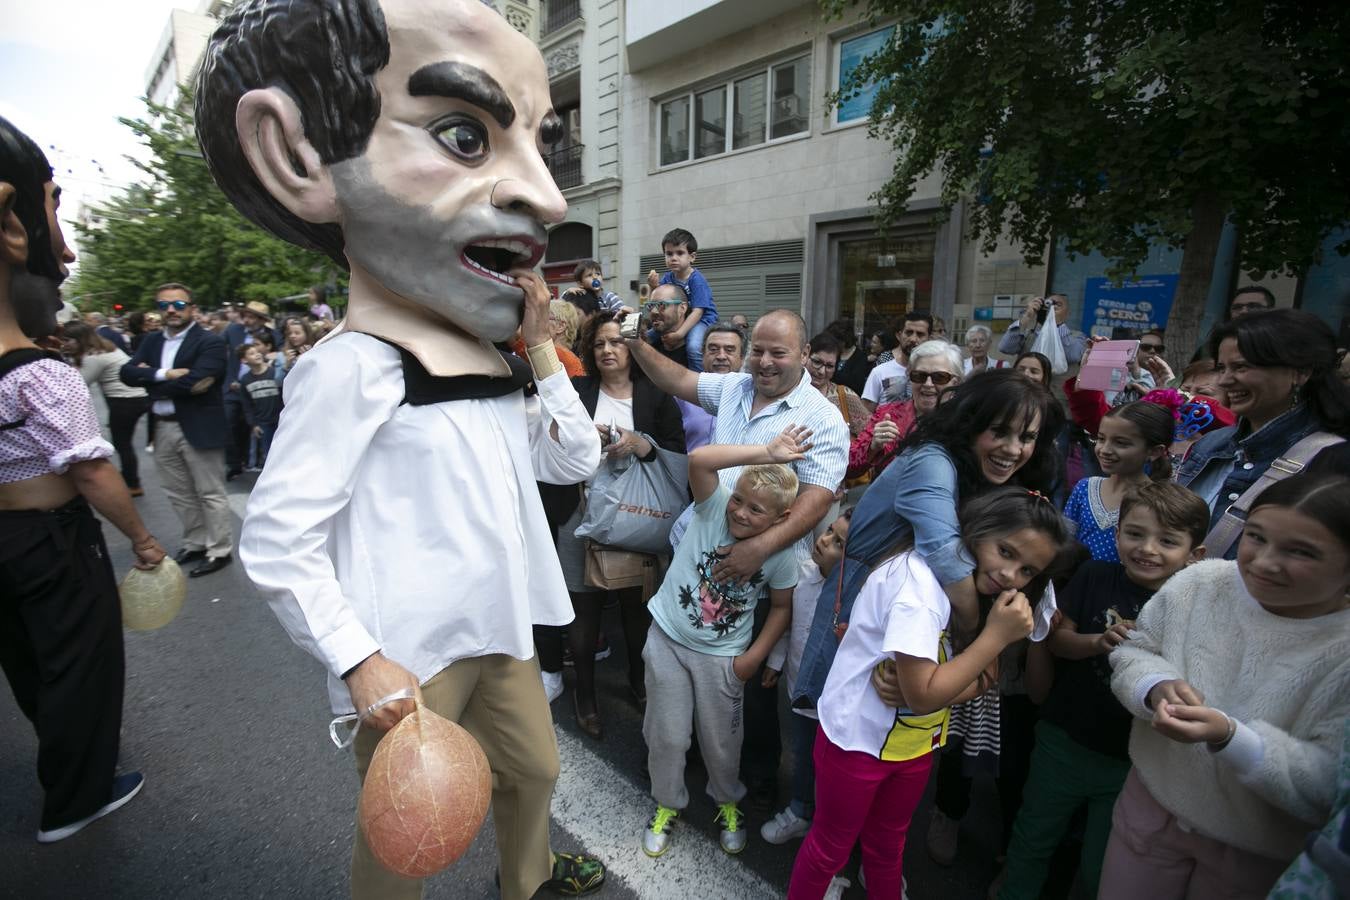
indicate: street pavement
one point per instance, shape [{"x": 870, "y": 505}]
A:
[{"x": 246, "y": 796}]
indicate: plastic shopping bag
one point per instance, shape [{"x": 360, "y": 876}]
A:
[
  {"x": 635, "y": 508},
  {"x": 1048, "y": 343}
]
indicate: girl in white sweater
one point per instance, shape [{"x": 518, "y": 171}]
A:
[{"x": 1239, "y": 678}]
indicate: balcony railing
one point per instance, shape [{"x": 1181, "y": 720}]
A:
[
  {"x": 558, "y": 13},
  {"x": 565, "y": 164}
]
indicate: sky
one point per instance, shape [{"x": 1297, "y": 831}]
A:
[{"x": 69, "y": 69}]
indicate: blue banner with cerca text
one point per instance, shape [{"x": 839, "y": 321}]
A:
[{"x": 1137, "y": 304}]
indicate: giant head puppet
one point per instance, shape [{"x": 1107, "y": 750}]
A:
[
  {"x": 34, "y": 248},
  {"x": 404, "y": 139}
]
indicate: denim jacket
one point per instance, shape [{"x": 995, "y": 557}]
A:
[
  {"x": 915, "y": 497},
  {"x": 1224, "y": 463}
]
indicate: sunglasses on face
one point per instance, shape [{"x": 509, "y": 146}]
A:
[
  {"x": 654, "y": 305},
  {"x": 174, "y": 304},
  {"x": 1153, "y": 348},
  {"x": 938, "y": 378}
]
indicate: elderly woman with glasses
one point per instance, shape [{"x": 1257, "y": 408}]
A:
[
  {"x": 934, "y": 366},
  {"x": 821, "y": 364}
]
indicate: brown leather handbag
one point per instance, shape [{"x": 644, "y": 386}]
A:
[{"x": 612, "y": 569}]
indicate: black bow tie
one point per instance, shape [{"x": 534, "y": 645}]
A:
[{"x": 421, "y": 388}]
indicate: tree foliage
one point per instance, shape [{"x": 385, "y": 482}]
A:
[
  {"x": 176, "y": 225},
  {"x": 1111, "y": 124}
]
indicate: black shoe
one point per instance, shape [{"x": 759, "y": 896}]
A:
[
  {"x": 761, "y": 798},
  {"x": 232, "y": 474},
  {"x": 575, "y": 875},
  {"x": 124, "y": 788},
  {"x": 186, "y": 556},
  {"x": 213, "y": 564}
]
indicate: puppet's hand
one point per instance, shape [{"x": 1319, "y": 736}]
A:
[
  {"x": 374, "y": 679},
  {"x": 534, "y": 320}
]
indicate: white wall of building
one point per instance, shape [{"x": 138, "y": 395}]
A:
[{"x": 759, "y": 194}]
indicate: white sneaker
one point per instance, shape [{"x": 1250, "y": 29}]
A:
[
  {"x": 835, "y": 890},
  {"x": 656, "y": 836},
  {"x": 553, "y": 685},
  {"x": 784, "y": 827},
  {"x": 732, "y": 837}
]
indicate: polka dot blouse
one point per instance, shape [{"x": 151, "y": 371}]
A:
[
  {"x": 1096, "y": 525},
  {"x": 47, "y": 421}
]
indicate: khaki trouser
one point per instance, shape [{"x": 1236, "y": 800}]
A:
[
  {"x": 195, "y": 482},
  {"x": 500, "y": 701}
]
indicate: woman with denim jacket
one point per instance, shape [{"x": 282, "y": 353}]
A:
[
  {"x": 986, "y": 434},
  {"x": 1279, "y": 370}
]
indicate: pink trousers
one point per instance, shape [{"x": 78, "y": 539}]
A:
[
  {"x": 858, "y": 798},
  {"x": 1151, "y": 855}
]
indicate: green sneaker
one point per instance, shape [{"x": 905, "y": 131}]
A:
[
  {"x": 656, "y": 836},
  {"x": 575, "y": 875},
  {"x": 733, "y": 827}
]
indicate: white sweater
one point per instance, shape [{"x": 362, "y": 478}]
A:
[{"x": 1286, "y": 682}]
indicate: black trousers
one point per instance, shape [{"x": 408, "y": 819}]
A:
[
  {"x": 61, "y": 649},
  {"x": 123, "y": 413},
  {"x": 236, "y": 433},
  {"x": 762, "y": 747},
  {"x": 1017, "y": 738}
]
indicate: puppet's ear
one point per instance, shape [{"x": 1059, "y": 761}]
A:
[
  {"x": 272, "y": 135},
  {"x": 13, "y": 236}
]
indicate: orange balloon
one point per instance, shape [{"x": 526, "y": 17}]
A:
[{"x": 425, "y": 796}]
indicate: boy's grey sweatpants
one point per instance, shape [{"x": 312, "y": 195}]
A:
[{"x": 687, "y": 689}]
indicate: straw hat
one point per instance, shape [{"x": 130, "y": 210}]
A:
[{"x": 260, "y": 308}]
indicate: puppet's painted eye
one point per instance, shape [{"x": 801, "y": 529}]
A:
[{"x": 465, "y": 138}]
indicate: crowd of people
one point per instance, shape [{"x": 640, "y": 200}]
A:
[
  {"x": 1128, "y": 608},
  {"x": 964, "y": 561}
]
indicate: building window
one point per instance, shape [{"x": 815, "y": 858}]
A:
[
  {"x": 674, "y": 131},
  {"x": 849, "y": 54},
  {"x": 766, "y": 105},
  {"x": 710, "y": 122}
]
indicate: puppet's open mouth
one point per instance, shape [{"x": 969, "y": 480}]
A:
[{"x": 494, "y": 258}]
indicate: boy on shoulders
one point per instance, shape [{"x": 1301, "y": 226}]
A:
[{"x": 681, "y": 248}]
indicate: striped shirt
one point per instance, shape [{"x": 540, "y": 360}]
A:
[{"x": 729, "y": 397}]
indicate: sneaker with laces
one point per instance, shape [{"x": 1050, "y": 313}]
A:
[
  {"x": 656, "y": 836},
  {"x": 124, "y": 787},
  {"x": 574, "y": 875},
  {"x": 784, "y": 827},
  {"x": 732, "y": 837},
  {"x": 942, "y": 835}
]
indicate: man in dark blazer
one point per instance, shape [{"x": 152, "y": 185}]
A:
[{"x": 182, "y": 367}]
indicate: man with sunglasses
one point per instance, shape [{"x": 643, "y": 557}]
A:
[
  {"x": 666, "y": 309},
  {"x": 180, "y": 365}
]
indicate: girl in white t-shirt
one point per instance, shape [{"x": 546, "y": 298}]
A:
[{"x": 873, "y": 760}]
